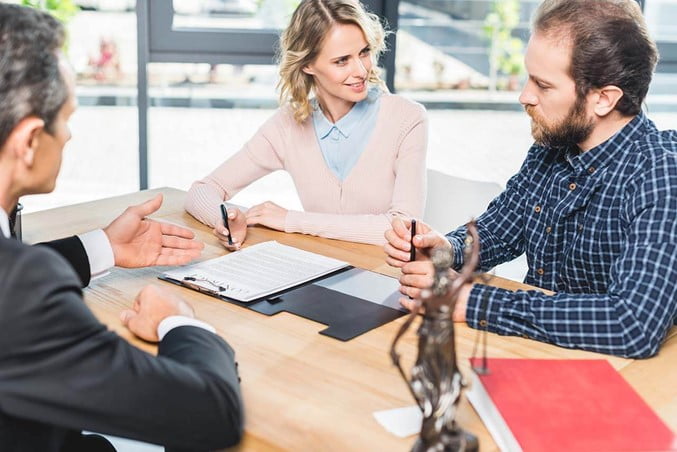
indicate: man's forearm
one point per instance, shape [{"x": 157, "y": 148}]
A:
[{"x": 595, "y": 322}]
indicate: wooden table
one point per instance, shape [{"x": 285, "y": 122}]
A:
[{"x": 303, "y": 390}]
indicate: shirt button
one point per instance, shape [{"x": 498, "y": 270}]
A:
[
  {"x": 537, "y": 209},
  {"x": 572, "y": 186},
  {"x": 591, "y": 169},
  {"x": 483, "y": 322},
  {"x": 580, "y": 227},
  {"x": 548, "y": 230},
  {"x": 540, "y": 271}
]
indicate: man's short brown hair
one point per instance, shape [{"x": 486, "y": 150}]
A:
[{"x": 610, "y": 45}]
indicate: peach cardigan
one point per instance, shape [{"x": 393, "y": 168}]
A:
[{"x": 387, "y": 180}]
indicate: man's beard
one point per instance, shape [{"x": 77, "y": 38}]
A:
[{"x": 575, "y": 128}]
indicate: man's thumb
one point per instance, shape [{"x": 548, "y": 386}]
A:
[
  {"x": 126, "y": 316},
  {"x": 428, "y": 240},
  {"x": 149, "y": 207}
]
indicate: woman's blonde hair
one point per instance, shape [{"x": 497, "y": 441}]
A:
[{"x": 301, "y": 42}]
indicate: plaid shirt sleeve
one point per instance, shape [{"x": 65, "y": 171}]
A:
[
  {"x": 640, "y": 305},
  {"x": 500, "y": 226}
]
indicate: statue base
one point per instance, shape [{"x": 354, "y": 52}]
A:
[{"x": 459, "y": 441}]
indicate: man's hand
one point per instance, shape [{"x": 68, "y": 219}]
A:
[
  {"x": 151, "y": 306},
  {"x": 267, "y": 214},
  {"x": 140, "y": 242},
  {"x": 398, "y": 245},
  {"x": 238, "y": 228},
  {"x": 417, "y": 277},
  {"x": 462, "y": 303}
]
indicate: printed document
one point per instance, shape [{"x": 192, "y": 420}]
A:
[{"x": 255, "y": 272}]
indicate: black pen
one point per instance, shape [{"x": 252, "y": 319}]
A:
[
  {"x": 224, "y": 215},
  {"x": 412, "y": 251}
]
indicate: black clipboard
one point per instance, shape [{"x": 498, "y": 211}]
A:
[{"x": 346, "y": 316}]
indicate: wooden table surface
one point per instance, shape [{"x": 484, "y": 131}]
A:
[{"x": 303, "y": 390}]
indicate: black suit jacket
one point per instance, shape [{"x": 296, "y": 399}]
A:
[
  {"x": 62, "y": 371},
  {"x": 73, "y": 251}
]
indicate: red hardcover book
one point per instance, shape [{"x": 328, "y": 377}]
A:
[{"x": 565, "y": 405}]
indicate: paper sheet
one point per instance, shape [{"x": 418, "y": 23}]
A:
[
  {"x": 257, "y": 271},
  {"x": 401, "y": 422}
]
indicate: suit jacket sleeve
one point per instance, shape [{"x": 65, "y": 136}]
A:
[
  {"x": 74, "y": 252},
  {"x": 59, "y": 365}
]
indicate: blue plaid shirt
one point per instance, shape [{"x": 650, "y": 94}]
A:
[{"x": 600, "y": 229}]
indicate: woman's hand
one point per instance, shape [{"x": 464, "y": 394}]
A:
[
  {"x": 267, "y": 214},
  {"x": 238, "y": 230}
]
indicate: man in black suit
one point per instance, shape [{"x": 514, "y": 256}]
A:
[{"x": 61, "y": 371}]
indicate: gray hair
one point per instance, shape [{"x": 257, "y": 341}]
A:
[{"x": 31, "y": 83}]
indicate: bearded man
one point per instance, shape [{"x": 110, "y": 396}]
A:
[{"x": 593, "y": 205}]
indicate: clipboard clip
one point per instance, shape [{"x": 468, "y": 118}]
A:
[{"x": 219, "y": 288}]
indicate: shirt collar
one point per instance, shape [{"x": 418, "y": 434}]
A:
[
  {"x": 612, "y": 149},
  {"x": 322, "y": 125},
  {"x": 4, "y": 223},
  {"x": 347, "y": 124}
]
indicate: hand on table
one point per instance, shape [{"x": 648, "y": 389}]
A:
[
  {"x": 267, "y": 214},
  {"x": 238, "y": 228},
  {"x": 151, "y": 306},
  {"x": 138, "y": 241}
]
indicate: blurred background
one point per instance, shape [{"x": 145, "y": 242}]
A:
[{"x": 461, "y": 58}]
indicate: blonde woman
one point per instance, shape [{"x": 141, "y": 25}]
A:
[{"x": 356, "y": 153}]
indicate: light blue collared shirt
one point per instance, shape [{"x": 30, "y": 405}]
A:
[{"x": 342, "y": 142}]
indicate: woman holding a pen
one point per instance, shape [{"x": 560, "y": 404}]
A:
[{"x": 356, "y": 153}]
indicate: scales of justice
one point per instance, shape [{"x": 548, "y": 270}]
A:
[{"x": 436, "y": 382}]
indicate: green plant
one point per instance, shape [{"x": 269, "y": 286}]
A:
[
  {"x": 512, "y": 59},
  {"x": 64, "y": 10},
  {"x": 506, "y": 51}
]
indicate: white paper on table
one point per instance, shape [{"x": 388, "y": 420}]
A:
[
  {"x": 256, "y": 271},
  {"x": 401, "y": 422}
]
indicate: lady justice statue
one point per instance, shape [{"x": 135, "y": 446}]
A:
[{"x": 436, "y": 381}]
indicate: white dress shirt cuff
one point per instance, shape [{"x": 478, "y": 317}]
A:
[
  {"x": 99, "y": 251},
  {"x": 175, "y": 321},
  {"x": 4, "y": 224}
]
